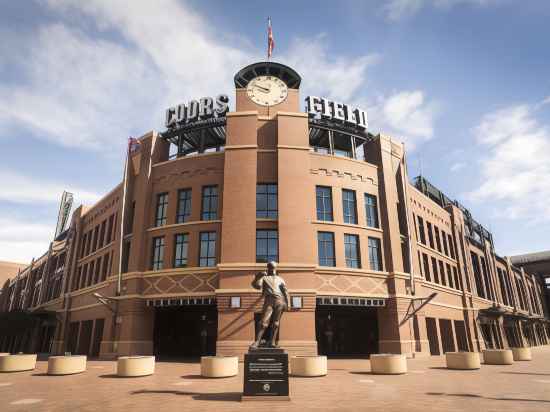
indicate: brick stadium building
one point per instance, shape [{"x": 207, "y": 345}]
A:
[{"x": 162, "y": 264}]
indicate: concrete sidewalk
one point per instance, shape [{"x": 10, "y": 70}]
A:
[{"x": 523, "y": 386}]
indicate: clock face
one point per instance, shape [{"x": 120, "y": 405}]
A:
[{"x": 267, "y": 90}]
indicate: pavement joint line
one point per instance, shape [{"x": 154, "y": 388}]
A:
[
  {"x": 541, "y": 381},
  {"x": 6, "y": 383},
  {"x": 28, "y": 401}
]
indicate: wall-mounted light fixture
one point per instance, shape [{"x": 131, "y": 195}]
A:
[{"x": 235, "y": 302}]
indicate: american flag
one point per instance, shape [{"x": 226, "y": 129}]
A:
[
  {"x": 270, "y": 41},
  {"x": 133, "y": 144}
]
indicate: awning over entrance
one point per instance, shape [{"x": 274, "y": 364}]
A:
[{"x": 349, "y": 301}]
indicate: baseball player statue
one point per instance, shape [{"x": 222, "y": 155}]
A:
[{"x": 276, "y": 301}]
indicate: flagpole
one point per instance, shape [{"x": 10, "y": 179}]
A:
[{"x": 124, "y": 189}]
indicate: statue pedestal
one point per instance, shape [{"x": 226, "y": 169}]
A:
[{"x": 265, "y": 375}]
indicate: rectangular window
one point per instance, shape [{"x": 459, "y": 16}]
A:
[
  {"x": 266, "y": 201},
  {"x": 430, "y": 235},
  {"x": 105, "y": 269},
  {"x": 445, "y": 247},
  {"x": 325, "y": 246},
  {"x": 267, "y": 246},
  {"x": 181, "y": 244},
  {"x": 126, "y": 255},
  {"x": 421, "y": 230},
  {"x": 435, "y": 271},
  {"x": 102, "y": 234},
  {"x": 437, "y": 239},
  {"x": 349, "y": 205},
  {"x": 324, "y": 203},
  {"x": 158, "y": 253},
  {"x": 375, "y": 254},
  {"x": 450, "y": 275},
  {"x": 351, "y": 245},
  {"x": 420, "y": 264},
  {"x": 371, "y": 209},
  {"x": 209, "y": 203},
  {"x": 451, "y": 247},
  {"x": 442, "y": 273},
  {"x": 184, "y": 206},
  {"x": 457, "y": 281},
  {"x": 426, "y": 267},
  {"x": 130, "y": 227},
  {"x": 207, "y": 255},
  {"x": 477, "y": 275},
  {"x": 162, "y": 208},
  {"x": 110, "y": 228}
]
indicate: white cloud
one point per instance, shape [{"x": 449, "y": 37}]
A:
[
  {"x": 87, "y": 88},
  {"x": 18, "y": 188},
  {"x": 399, "y": 9},
  {"x": 406, "y": 116},
  {"x": 336, "y": 77},
  {"x": 516, "y": 167},
  {"x": 456, "y": 167},
  {"x": 20, "y": 240}
]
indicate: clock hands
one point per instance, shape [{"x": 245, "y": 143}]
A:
[{"x": 262, "y": 89}]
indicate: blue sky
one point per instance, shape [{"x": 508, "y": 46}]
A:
[{"x": 464, "y": 83}]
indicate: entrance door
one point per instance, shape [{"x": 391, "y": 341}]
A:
[
  {"x": 433, "y": 339},
  {"x": 185, "y": 331},
  {"x": 461, "y": 338},
  {"x": 447, "y": 338},
  {"x": 346, "y": 330},
  {"x": 98, "y": 337},
  {"x": 85, "y": 337},
  {"x": 73, "y": 337}
]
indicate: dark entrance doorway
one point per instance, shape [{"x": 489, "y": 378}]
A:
[
  {"x": 346, "y": 330},
  {"x": 185, "y": 331}
]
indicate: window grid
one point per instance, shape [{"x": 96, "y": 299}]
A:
[
  {"x": 351, "y": 245},
  {"x": 162, "y": 208},
  {"x": 349, "y": 206},
  {"x": 324, "y": 203},
  {"x": 426, "y": 267},
  {"x": 371, "y": 209},
  {"x": 181, "y": 247},
  {"x": 184, "y": 206},
  {"x": 207, "y": 257},
  {"x": 325, "y": 246},
  {"x": 209, "y": 203},
  {"x": 266, "y": 201},
  {"x": 267, "y": 246},
  {"x": 158, "y": 253},
  {"x": 421, "y": 230},
  {"x": 375, "y": 254}
]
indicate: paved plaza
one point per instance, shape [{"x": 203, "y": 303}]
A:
[{"x": 523, "y": 386}]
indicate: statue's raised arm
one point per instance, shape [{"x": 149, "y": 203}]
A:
[{"x": 258, "y": 280}]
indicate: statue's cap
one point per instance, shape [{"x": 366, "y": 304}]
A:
[{"x": 272, "y": 265}]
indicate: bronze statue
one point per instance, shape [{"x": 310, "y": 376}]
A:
[{"x": 276, "y": 301}]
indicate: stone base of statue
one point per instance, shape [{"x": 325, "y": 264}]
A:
[{"x": 265, "y": 375}]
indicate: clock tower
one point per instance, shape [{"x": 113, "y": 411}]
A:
[
  {"x": 267, "y": 148},
  {"x": 267, "y": 87}
]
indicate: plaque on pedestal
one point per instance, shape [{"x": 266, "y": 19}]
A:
[{"x": 266, "y": 375}]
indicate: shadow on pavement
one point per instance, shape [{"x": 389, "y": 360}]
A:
[
  {"x": 204, "y": 377},
  {"x": 472, "y": 395},
  {"x": 527, "y": 373},
  {"x": 361, "y": 373},
  {"x": 222, "y": 396},
  {"x": 115, "y": 376}
]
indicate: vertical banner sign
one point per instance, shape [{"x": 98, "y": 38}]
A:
[{"x": 64, "y": 211}]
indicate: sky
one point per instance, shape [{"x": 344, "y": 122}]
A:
[{"x": 465, "y": 84}]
